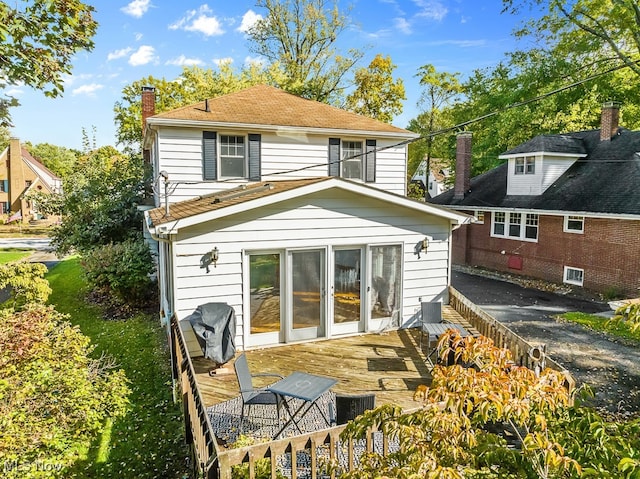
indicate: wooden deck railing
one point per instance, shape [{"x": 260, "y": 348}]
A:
[
  {"x": 501, "y": 335},
  {"x": 198, "y": 431},
  {"x": 211, "y": 462}
]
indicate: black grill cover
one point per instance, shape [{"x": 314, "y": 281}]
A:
[{"x": 214, "y": 324}]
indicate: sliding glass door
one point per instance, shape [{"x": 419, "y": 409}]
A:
[
  {"x": 347, "y": 291},
  {"x": 307, "y": 286}
]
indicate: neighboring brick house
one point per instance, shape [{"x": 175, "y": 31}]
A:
[
  {"x": 563, "y": 208},
  {"x": 21, "y": 173}
]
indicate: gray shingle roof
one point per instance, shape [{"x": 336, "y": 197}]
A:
[
  {"x": 550, "y": 143},
  {"x": 605, "y": 181}
]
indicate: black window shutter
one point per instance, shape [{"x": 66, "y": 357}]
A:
[
  {"x": 209, "y": 156},
  {"x": 254, "y": 157},
  {"x": 370, "y": 162},
  {"x": 334, "y": 156}
]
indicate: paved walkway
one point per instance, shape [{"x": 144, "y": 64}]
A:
[{"x": 609, "y": 365}]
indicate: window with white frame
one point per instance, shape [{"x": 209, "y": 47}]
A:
[
  {"x": 525, "y": 165},
  {"x": 574, "y": 224},
  {"x": 498, "y": 223},
  {"x": 232, "y": 156},
  {"x": 352, "y": 160},
  {"x": 479, "y": 217},
  {"x": 523, "y": 226},
  {"x": 573, "y": 275},
  {"x": 531, "y": 226}
]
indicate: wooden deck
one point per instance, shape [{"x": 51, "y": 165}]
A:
[{"x": 388, "y": 364}]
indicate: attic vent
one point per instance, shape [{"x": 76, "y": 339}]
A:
[{"x": 239, "y": 193}]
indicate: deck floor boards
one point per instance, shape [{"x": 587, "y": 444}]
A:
[{"x": 388, "y": 364}]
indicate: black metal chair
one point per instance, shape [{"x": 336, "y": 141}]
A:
[
  {"x": 251, "y": 395},
  {"x": 350, "y": 406}
]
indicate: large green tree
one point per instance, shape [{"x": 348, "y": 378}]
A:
[
  {"x": 300, "y": 37},
  {"x": 377, "y": 94},
  {"x": 100, "y": 200},
  {"x": 439, "y": 91},
  {"x": 38, "y": 39},
  {"x": 58, "y": 159}
]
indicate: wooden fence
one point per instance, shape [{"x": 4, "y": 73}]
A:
[{"x": 523, "y": 352}]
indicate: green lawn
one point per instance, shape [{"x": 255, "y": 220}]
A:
[
  {"x": 7, "y": 255},
  {"x": 148, "y": 442},
  {"x": 598, "y": 323}
]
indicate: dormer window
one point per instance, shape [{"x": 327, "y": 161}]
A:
[{"x": 525, "y": 165}]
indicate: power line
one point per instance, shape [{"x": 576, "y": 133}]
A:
[{"x": 442, "y": 131}]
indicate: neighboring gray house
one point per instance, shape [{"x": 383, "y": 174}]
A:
[{"x": 294, "y": 213}]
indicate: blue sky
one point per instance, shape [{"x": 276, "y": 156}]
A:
[{"x": 157, "y": 37}]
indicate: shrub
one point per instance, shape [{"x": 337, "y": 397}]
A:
[
  {"x": 122, "y": 269},
  {"x": 54, "y": 398},
  {"x": 26, "y": 282}
]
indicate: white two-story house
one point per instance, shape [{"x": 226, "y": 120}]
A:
[{"x": 294, "y": 213}]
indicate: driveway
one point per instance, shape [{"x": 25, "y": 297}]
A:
[{"x": 610, "y": 366}]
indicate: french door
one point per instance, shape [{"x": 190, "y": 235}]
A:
[
  {"x": 347, "y": 291},
  {"x": 307, "y": 295}
]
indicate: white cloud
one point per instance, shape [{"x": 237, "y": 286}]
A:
[
  {"x": 431, "y": 9},
  {"x": 89, "y": 89},
  {"x": 184, "y": 61},
  {"x": 123, "y": 52},
  {"x": 200, "y": 21},
  {"x": 136, "y": 8},
  {"x": 14, "y": 91},
  {"x": 145, "y": 54},
  {"x": 220, "y": 61},
  {"x": 254, "y": 61},
  {"x": 403, "y": 25},
  {"x": 249, "y": 19}
]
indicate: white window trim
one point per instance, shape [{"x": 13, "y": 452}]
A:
[
  {"x": 478, "y": 214},
  {"x": 565, "y": 226},
  {"x": 362, "y": 155},
  {"x": 246, "y": 154},
  {"x": 526, "y": 161},
  {"x": 571, "y": 281},
  {"x": 523, "y": 225}
]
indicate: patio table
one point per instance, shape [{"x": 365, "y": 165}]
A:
[
  {"x": 306, "y": 387},
  {"x": 435, "y": 330}
]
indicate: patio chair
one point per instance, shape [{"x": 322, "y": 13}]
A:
[
  {"x": 431, "y": 313},
  {"x": 350, "y": 406},
  {"x": 251, "y": 395}
]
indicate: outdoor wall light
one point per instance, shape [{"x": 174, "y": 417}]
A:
[
  {"x": 421, "y": 246},
  {"x": 425, "y": 244},
  {"x": 208, "y": 258}
]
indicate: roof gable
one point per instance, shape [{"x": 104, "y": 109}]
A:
[{"x": 267, "y": 106}]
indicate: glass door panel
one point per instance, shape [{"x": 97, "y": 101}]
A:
[
  {"x": 307, "y": 294},
  {"x": 346, "y": 282},
  {"x": 264, "y": 280},
  {"x": 386, "y": 282}
]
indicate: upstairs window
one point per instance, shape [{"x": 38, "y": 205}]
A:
[
  {"x": 352, "y": 160},
  {"x": 231, "y": 156},
  {"x": 574, "y": 224},
  {"x": 525, "y": 165},
  {"x": 479, "y": 217}
]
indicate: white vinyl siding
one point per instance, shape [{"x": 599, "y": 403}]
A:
[
  {"x": 573, "y": 275},
  {"x": 321, "y": 220},
  {"x": 179, "y": 153},
  {"x": 528, "y": 178}
]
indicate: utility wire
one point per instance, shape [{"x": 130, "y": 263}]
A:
[{"x": 442, "y": 131}]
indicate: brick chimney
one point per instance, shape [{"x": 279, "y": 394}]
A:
[
  {"x": 463, "y": 165},
  {"x": 609, "y": 120},
  {"x": 148, "y": 105}
]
